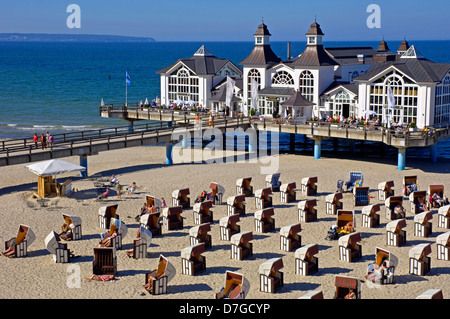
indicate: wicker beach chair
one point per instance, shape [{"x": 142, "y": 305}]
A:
[
  {"x": 306, "y": 262},
  {"x": 74, "y": 223},
  {"x": 264, "y": 221},
  {"x": 431, "y": 294},
  {"x": 369, "y": 216},
  {"x": 236, "y": 286},
  {"x": 141, "y": 243},
  {"x": 241, "y": 246},
  {"x": 422, "y": 224},
  {"x": 202, "y": 212},
  {"x": 313, "y": 294},
  {"x": 60, "y": 252},
  {"x": 172, "y": 218},
  {"x": 153, "y": 201},
  {"x": 385, "y": 190},
  {"x": 200, "y": 234},
  {"x": 192, "y": 261},
  {"x": 229, "y": 227},
  {"x": 444, "y": 217},
  {"x": 417, "y": 200},
  {"x": 288, "y": 192},
  {"x": 439, "y": 191},
  {"x": 390, "y": 204},
  {"x": 243, "y": 186},
  {"x": 236, "y": 205},
  {"x": 309, "y": 186},
  {"x": 105, "y": 261},
  {"x": 419, "y": 261},
  {"x": 105, "y": 213},
  {"x": 290, "y": 237},
  {"x": 180, "y": 197},
  {"x": 116, "y": 225},
  {"x": 273, "y": 181},
  {"x": 152, "y": 222},
  {"x": 270, "y": 276},
  {"x": 443, "y": 246},
  {"x": 350, "y": 248},
  {"x": 345, "y": 222},
  {"x": 409, "y": 185},
  {"x": 217, "y": 193},
  {"x": 25, "y": 237},
  {"x": 346, "y": 284},
  {"x": 157, "y": 280},
  {"x": 333, "y": 203},
  {"x": 395, "y": 235},
  {"x": 361, "y": 196},
  {"x": 263, "y": 198},
  {"x": 307, "y": 210},
  {"x": 382, "y": 270}
]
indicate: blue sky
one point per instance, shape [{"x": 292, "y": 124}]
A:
[{"x": 231, "y": 20}]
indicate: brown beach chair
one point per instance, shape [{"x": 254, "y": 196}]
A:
[
  {"x": 236, "y": 205},
  {"x": 419, "y": 262},
  {"x": 384, "y": 267},
  {"x": 350, "y": 248},
  {"x": 369, "y": 216},
  {"x": 264, "y": 221},
  {"x": 200, "y": 234},
  {"x": 273, "y": 181},
  {"x": 345, "y": 222},
  {"x": 361, "y": 196},
  {"x": 105, "y": 213},
  {"x": 74, "y": 223},
  {"x": 306, "y": 263},
  {"x": 309, "y": 186},
  {"x": 263, "y": 198},
  {"x": 385, "y": 189},
  {"x": 60, "y": 252},
  {"x": 417, "y": 199},
  {"x": 241, "y": 247},
  {"x": 141, "y": 243},
  {"x": 438, "y": 190},
  {"x": 444, "y": 217},
  {"x": 172, "y": 218},
  {"x": 217, "y": 192},
  {"x": 345, "y": 284},
  {"x": 431, "y": 294},
  {"x": 243, "y": 186},
  {"x": 307, "y": 211},
  {"x": 409, "y": 184},
  {"x": 25, "y": 237},
  {"x": 236, "y": 286},
  {"x": 157, "y": 280},
  {"x": 192, "y": 261},
  {"x": 105, "y": 261},
  {"x": 443, "y": 246},
  {"x": 180, "y": 197},
  {"x": 152, "y": 222},
  {"x": 203, "y": 213},
  {"x": 153, "y": 201},
  {"x": 390, "y": 203},
  {"x": 290, "y": 237},
  {"x": 271, "y": 278},
  {"x": 229, "y": 227},
  {"x": 314, "y": 294},
  {"x": 333, "y": 203},
  {"x": 288, "y": 192},
  {"x": 422, "y": 224},
  {"x": 395, "y": 235}
]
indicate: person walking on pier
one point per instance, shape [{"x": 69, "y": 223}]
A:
[
  {"x": 50, "y": 140},
  {"x": 43, "y": 141},
  {"x": 36, "y": 140}
]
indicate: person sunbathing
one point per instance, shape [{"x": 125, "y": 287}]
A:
[
  {"x": 201, "y": 198},
  {"x": 399, "y": 211},
  {"x": 106, "y": 241},
  {"x": 421, "y": 205},
  {"x": 101, "y": 278},
  {"x": 11, "y": 249},
  {"x": 66, "y": 232},
  {"x": 436, "y": 201},
  {"x": 377, "y": 272},
  {"x": 104, "y": 195},
  {"x": 131, "y": 188},
  {"x": 351, "y": 294},
  {"x": 149, "y": 285}
]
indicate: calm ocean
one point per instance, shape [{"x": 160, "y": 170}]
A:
[{"x": 58, "y": 86}]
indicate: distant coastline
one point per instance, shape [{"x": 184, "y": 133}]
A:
[{"x": 44, "y": 37}]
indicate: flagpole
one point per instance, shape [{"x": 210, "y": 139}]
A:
[{"x": 126, "y": 90}]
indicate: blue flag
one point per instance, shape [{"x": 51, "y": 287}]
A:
[{"x": 128, "y": 79}]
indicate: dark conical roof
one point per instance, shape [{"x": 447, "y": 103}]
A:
[
  {"x": 315, "y": 29},
  {"x": 262, "y": 30},
  {"x": 297, "y": 100},
  {"x": 404, "y": 46},
  {"x": 383, "y": 46}
]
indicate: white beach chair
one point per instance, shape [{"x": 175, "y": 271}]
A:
[
  {"x": 241, "y": 246},
  {"x": 59, "y": 250},
  {"x": 25, "y": 237},
  {"x": 141, "y": 244},
  {"x": 273, "y": 181},
  {"x": 200, "y": 234},
  {"x": 369, "y": 216},
  {"x": 390, "y": 203},
  {"x": 152, "y": 222},
  {"x": 229, "y": 227},
  {"x": 444, "y": 217},
  {"x": 290, "y": 237},
  {"x": 263, "y": 198},
  {"x": 122, "y": 231},
  {"x": 313, "y": 294},
  {"x": 309, "y": 186},
  {"x": 385, "y": 190},
  {"x": 350, "y": 248},
  {"x": 153, "y": 201},
  {"x": 383, "y": 269},
  {"x": 74, "y": 222},
  {"x": 333, "y": 203},
  {"x": 236, "y": 205},
  {"x": 422, "y": 224},
  {"x": 217, "y": 192},
  {"x": 439, "y": 191},
  {"x": 157, "y": 280},
  {"x": 180, "y": 197},
  {"x": 105, "y": 213},
  {"x": 202, "y": 212},
  {"x": 416, "y": 199},
  {"x": 306, "y": 263},
  {"x": 172, "y": 218},
  {"x": 243, "y": 186},
  {"x": 443, "y": 246},
  {"x": 419, "y": 262},
  {"x": 264, "y": 221},
  {"x": 236, "y": 286},
  {"x": 288, "y": 192},
  {"x": 307, "y": 211},
  {"x": 345, "y": 222},
  {"x": 431, "y": 294},
  {"x": 192, "y": 261},
  {"x": 270, "y": 275},
  {"x": 395, "y": 235},
  {"x": 409, "y": 185}
]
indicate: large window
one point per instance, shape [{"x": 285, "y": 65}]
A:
[
  {"x": 252, "y": 74},
  {"x": 342, "y": 104},
  {"x": 442, "y": 105},
  {"x": 306, "y": 87},
  {"x": 183, "y": 85},
  {"x": 282, "y": 78}
]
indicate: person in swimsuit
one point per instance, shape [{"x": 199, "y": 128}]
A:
[{"x": 102, "y": 278}]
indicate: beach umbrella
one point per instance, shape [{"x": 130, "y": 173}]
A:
[
  {"x": 178, "y": 102},
  {"x": 146, "y": 101},
  {"x": 191, "y": 103},
  {"x": 54, "y": 167},
  {"x": 102, "y": 103}
]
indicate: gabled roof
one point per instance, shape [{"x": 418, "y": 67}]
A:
[
  {"x": 349, "y": 86},
  {"x": 221, "y": 96},
  {"x": 202, "y": 62},
  {"x": 277, "y": 91},
  {"x": 314, "y": 55},
  {"x": 297, "y": 100}
]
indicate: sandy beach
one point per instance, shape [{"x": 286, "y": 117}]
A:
[{"x": 37, "y": 276}]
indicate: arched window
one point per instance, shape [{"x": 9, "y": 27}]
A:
[
  {"x": 183, "y": 85},
  {"x": 442, "y": 101},
  {"x": 253, "y": 74},
  {"x": 306, "y": 87},
  {"x": 283, "y": 78}
]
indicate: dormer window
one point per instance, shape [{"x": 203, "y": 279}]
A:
[
  {"x": 312, "y": 40},
  {"x": 259, "y": 40}
]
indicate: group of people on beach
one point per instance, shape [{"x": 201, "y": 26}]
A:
[{"x": 46, "y": 140}]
